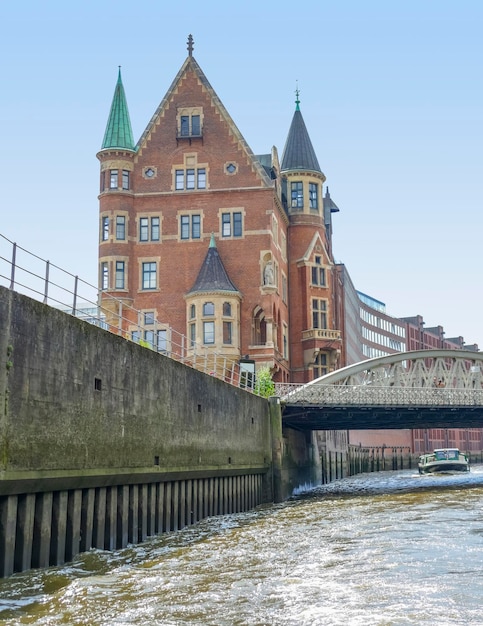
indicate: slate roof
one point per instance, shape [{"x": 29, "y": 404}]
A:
[
  {"x": 299, "y": 153},
  {"x": 118, "y": 130},
  {"x": 212, "y": 275}
]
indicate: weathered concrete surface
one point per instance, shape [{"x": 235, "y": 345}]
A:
[{"x": 80, "y": 406}]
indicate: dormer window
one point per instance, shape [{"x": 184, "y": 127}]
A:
[
  {"x": 190, "y": 126},
  {"x": 189, "y": 122}
]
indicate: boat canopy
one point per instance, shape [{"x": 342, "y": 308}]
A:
[{"x": 446, "y": 454}]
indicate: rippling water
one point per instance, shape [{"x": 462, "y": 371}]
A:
[{"x": 380, "y": 549}]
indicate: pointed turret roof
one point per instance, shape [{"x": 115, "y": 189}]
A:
[
  {"x": 299, "y": 153},
  {"x": 212, "y": 275},
  {"x": 118, "y": 130}
]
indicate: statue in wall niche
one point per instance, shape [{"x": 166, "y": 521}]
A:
[{"x": 268, "y": 274}]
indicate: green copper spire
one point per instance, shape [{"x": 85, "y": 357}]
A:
[{"x": 118, "y": 130}]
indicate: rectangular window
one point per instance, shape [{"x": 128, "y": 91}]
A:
[
  {"x": 208, "y": 332},
  {"x": 190, "y": 126},
  {"x": 105, "y": 275},
  {"x": 155, "y": 229},
  {"x": 185, "y": 227},
  {"x": 237, "y": 224},
  {"x": 125, "y": 179},
  {"x": 314, "y": 196},
  {"x": 149, "y": 337},
  {"x": 136, "y": 335},
  {"x": 143, "y": 229},
  {"x": 195, "y": 125},
  {"x": 190, "y": 179},
  {"x": 320, "y": 365},
  {"x": 179, "y": 179},
  {"x": 318, "y": 276},
  {"x": 149, "y": 229},
  {"x": 231, "y": 224},
  {"x": 192, "y": 335},
  {"x": 190, "y": 226},
  {"x": 120, "y": 227},
  {"x": 185, "y": 125},
  {"x": 149, "y": 318},
  {"x": 319, "y": 313},
  {"x": 105, "y": 229},
  {"x": 120, "y": 274},
  {"x": 162, "y": 344},
  {"x": 226, "y": 225},
  {"x": 318, "y": 273},
  {"x": 201, "y": 178},
  {"x": 113, "y": 182},
  {"x": 149, "y": 275},
  {"x": 103, "y": 180},
  {"x": 227, "y": 333},
  {"x": 195, "y": 226},
  {"x": 297, "y": 195}
]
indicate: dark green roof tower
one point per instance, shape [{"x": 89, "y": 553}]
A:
[{"x": 118, "y": 130}]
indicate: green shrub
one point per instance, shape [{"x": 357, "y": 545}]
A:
[{"x": 264, "y": 385}]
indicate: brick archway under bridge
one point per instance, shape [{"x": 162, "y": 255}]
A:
[{"x": 418, "y": 389}]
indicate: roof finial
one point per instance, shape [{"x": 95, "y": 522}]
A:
[
  {"x": 297, "y": 94},
  {"x": 190, "y": 45}
]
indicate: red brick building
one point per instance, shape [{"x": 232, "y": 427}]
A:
[{"x": 201, "y": 238}]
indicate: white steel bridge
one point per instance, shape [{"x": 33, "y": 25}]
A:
[{"x": 419, "y": 389}]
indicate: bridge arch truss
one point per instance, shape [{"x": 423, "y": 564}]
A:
[{"x": 422, "y": 388}]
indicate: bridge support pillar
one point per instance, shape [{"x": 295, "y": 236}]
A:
[{"x": 277, "y": 441}]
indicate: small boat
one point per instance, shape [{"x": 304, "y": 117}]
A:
[{"x": 443, "y": 460}]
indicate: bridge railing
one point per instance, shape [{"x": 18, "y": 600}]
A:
[
  {"x": 370, "y": 395},
  {"x": 26, "y": 273}
]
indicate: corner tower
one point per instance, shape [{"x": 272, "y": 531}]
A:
[
  {"x": 116, "y": 207},
  {"x": 314, "y": 328}
]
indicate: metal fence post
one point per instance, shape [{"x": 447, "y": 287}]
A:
[
  {"x": 12, "y": 275},
  {"x": 74, "y": 305},
  {"x": 46, "y": 288}
]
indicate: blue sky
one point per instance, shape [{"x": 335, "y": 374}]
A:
[{"x": 391, "y": 93}]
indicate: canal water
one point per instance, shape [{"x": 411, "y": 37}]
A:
[{"x": 380, "y": 549}]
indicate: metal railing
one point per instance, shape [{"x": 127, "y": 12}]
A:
[
  {"x": 25, "y": 272},
  {"x": 372, "y": 395}
]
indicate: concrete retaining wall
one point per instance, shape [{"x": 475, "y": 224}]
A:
[{"x": 94, "y": 427}]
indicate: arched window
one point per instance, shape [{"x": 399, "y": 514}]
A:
[{"x": 259, "y": 327}]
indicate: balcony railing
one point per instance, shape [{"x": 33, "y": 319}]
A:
[{"x": 322, "y": 333}]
